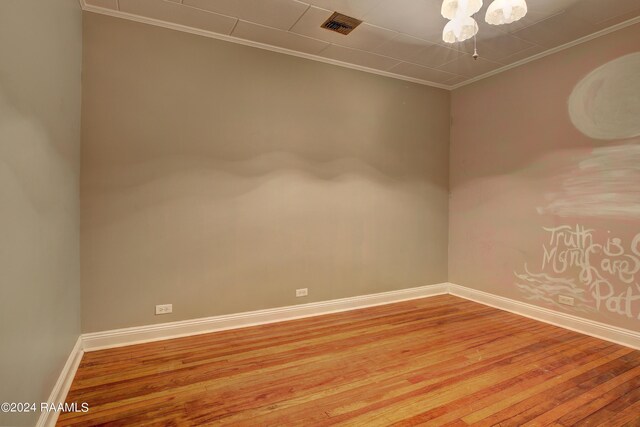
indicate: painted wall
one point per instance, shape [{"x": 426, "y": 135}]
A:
[
  {"x": 220, "y": 178},
  {"x": 545, "y": 181},
  {"x": 40, "y": 50}
]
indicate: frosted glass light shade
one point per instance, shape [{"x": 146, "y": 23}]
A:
[
  {"x": 452, "y": 8},
  {"x": 459, "y": 29},
  {"x": 505, "y": 11}
]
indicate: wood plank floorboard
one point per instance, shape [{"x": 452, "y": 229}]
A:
[{"x": 439, "y": 361}]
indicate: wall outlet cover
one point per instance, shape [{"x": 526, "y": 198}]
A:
[
  {"x": 563, "y": 299},
  {"x": 302, "y": 292},
  {"x": 164, "y": 308}
]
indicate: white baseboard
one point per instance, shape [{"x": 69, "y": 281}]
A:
[
  {"x": 61, "y": 388},
  {"x": 603, "y": 331},
  {"x": 142, "y": 334},
  {"x": 163, "y": 331}
]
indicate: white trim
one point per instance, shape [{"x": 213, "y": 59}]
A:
[
  {"x": 163, "y": 331},
  {"x": 251, "y": 43},
  {"x": 61, "y": 388},
  {"x": 149, "y": 333},
  {"x": 551, "y": 51},
  {"x": 592, "y": 328},
  {"x": 143, "y": 334},
  {"x": 232, "y": 39}
]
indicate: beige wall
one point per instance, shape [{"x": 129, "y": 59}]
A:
[
  {"x": 220, "y": 178},
  {"x": 40, "y": 47},
  {"x": 539, "y": 147}
]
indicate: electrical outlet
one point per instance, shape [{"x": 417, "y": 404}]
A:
[
  {"x": 164, "y": 308},
  {"x": 562, "y": 299},
  {"x": 302, "y": 292}
]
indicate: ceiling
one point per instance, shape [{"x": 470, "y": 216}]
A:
[{"x": 398, "y": 38}]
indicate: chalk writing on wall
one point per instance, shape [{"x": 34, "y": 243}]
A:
[{"x": 599, "y": 270}]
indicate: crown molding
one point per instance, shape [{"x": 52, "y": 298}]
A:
[
  {"x": 232, "y": 39},
  {"x": 551, "y": 51},
  {"x": 210, "y": 34}
]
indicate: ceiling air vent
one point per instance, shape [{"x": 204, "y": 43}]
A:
[{"x": 340, "y": 23}]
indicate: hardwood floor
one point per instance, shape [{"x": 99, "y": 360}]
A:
[{"x": 435, "y": 361}]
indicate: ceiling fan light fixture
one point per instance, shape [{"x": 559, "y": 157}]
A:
[
  {"x": 459, "y": 29},
  {"x": 452, "y": 8},
  {"x": 505, "y": 11}
]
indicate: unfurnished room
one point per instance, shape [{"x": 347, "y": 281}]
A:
[{"x": 319, "y": 213}]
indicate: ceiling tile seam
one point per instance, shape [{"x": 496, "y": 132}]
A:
[
  {"x": 546, "y": 18},
  {"x": 614, "y": 17},
  {"x": 395, "y": 65},
  {"x": 457, "y": 76},
  {"x": 371, "y": 9},
  {"x": 366, "y": 16},
  {"x": 203, "y": 11},
  {"x": 324, "y": 42},
  {"x": 373, "y": 48},
  {"x": 383, "y": 42},
  {"x": 398, "y": 34},
  {"x": 501, "y": 58},
  {"x": 430, "y": 42},
  {"x": 517, "y": 53},
  {"x": 452, "y": 75},
  {"x": 444, "y": 45},
  {"x": 513, "y": 35},
  {"x": 299, "y": 18},
  {"x": 264, "y": 46},
  {"x": 410, "y": 61},
  {"x": 324, "y": 48},
  {"x": 368, "y": 52},
  {"x": 382, "y": 28},
  {"x": 432, "y": 69},
  {"x": 234, "y": 26},
  {"x": 449, "y": 62},
  {"x": 531, "y": 24}
]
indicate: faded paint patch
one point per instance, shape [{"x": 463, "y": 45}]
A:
[
  {"x": 606, "y": 184},
  {"x": 606, "y": 103}
]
